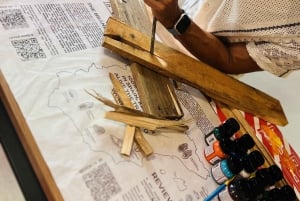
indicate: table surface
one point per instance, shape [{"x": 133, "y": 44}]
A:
[{"x": 256, "y": 80}]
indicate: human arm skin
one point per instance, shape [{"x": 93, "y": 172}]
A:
[{"x": 232, "y": 58}]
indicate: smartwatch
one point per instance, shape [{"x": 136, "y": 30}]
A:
[{"x": 181, "y": 25}]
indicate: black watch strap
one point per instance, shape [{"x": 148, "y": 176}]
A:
[{"x": 181, "y": 25}]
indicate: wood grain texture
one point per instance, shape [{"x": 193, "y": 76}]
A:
[
  {"x": 128, "y": 140},
  {"x": 143, "y": 144},
  {"x": 34, "y": 155},
  {"x": 155, "y": 90},
  {"x": 132, "y": 44},
  {"x": 146, "y": 122}
]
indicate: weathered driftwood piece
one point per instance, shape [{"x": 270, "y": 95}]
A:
[
  {"x": 155, "y": 90},
  {"x": 156, "y": 93},
  {"x": 132, "y": 44}
]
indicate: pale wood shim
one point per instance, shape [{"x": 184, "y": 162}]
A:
[{"x": 128, "y": 140}]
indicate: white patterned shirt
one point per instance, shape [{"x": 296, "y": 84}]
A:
[{"x": 271, "y": 29}]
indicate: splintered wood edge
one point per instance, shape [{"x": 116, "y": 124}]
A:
[
  {"x": 33, "y": 153},
  {"x": 146, "y": 122}
]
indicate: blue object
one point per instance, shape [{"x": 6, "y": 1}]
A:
[
  {"x": 215, "y": 192},
  {"x": 226, "y": 170}
]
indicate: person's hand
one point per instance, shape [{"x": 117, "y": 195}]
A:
[{"x": 165, "y": 11}]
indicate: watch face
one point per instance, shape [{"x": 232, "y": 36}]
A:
[{"x": 183, "y": 24}]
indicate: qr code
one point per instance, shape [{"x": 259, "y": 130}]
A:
[
  {"x": 12, "y": 19},
  {"x": 28, "y": 49},
  {"x": 102, "y": 183}
]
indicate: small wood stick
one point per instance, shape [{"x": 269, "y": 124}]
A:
[
  {"x": 142, "y": 142},
  {"x": 128, "y": 140}
]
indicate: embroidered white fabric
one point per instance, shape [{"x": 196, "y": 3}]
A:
[{"x": 271, "y": 29}]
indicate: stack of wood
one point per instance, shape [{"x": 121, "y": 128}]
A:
[{"x": 135, "y": 120}]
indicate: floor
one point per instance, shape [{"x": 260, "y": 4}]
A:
[{"x": 9, "y": 188}]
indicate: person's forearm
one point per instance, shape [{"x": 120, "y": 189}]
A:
[{"x": 229, "y": 58}]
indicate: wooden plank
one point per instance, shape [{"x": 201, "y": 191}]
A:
[
  {"x": 132, "y": 44},
  {"x": 158, "y": 93},
  {"x": 34, "y": 155},
  {"x": 155, "y": 90},
  {"x": 133, "y": 13}
]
